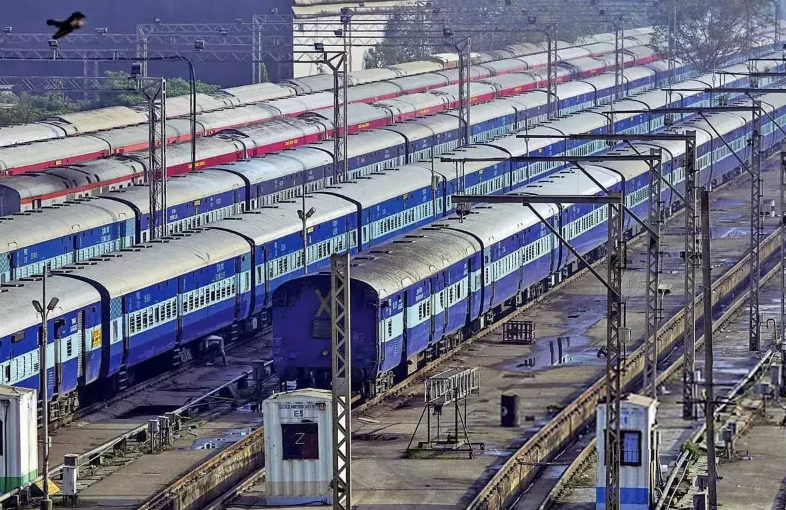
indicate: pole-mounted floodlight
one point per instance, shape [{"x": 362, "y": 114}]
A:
[
  {"x": 199, "y": 44},
  {"x": 136, "y": 69},
  {"x": 52, "y": 43},
  {"x": 447, "y": 32},
  {"x": 157, "y": 21},
  {"x": 309, "y": 214},
  {"x": 239, "y": 21},
  {"x": 51, "y": 306},
  {"x": 303, "y": 219},
  {"x": 319, "y": 47},
  {"x": 223, "y": 32},
  {"x": 338, "y": 33},
  {"x": 8, "y": 30}
]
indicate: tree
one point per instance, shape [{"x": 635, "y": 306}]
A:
[
  {"x": 26, "y": 108},
  {"x": 709, "y": 31},
  {"x": 121, "y": 89},
  {"x": 490, "y": 25}
]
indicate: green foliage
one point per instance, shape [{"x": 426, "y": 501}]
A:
[
  {"x": 693, "y": 449},
  {"x": 24, "y": 108},
  {"x": 491, "y": 25},
  {"x": 709, "y": 31},
  {"x": 119, "y": 90}
]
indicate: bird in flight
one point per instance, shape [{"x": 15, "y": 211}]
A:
[{"x": 73, "y": 22}]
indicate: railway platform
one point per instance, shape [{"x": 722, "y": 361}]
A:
[
  {"x": 732, "y": 362},
  {"x": 127, "y": 479},
  {"x": 384, "y": 478}
]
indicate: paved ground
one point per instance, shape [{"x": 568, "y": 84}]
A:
[
  {"x": 732, "y": 361},
  {"x": 384, "y": 479},
  {"x": 756, "y": 478},
  {"x": 125, "y": 482}
]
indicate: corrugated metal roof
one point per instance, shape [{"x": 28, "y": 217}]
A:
[
  {"x": 19, "y": 314},
  {"x": 102, "y": 118},
  {"x": 132, "y": 270},
  {"x": 395, "y": 266},
  {"x": 29, "y": 228},
  {"x": 12, "y": 135}
]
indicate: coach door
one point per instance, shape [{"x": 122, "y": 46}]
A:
[{"x": 80, "y": 343}]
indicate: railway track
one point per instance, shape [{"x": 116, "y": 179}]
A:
[
  {"x": 151, "y": 382},
  {"x": 583, "y": 458},
  {"x": 123, "y": 441},
  {"x": 242, "y": 465},
  {"x": 522, "y": 467}
]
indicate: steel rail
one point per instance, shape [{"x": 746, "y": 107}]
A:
[
  {"x": 258, "y": 435},
  {"x": 560, "y": 430},
  {"x": 732, "y": 312},
  {"x": 119, "y": 439}
]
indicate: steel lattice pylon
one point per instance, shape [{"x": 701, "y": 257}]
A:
[
  {"x": 339, "y": 117},
  {"x": 783, "y": 264},
  {"x": 613, "y": 445},
  {"x": 653, "y": 271},
  {"x": 342, "y": 380},
  {"x": 691, "y": 259},
  {"x": 756, "y": 228},
  {"x": 155, "y": 176}
]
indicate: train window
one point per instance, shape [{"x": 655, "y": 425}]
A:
[
  {"x": 17, "y": 337},
  {"x": 390, "y": 328},
  {"x": 191, "y": 302},
  {"x": 157, "y": 315},
  {"x": 144, "y": 320},
  {"x": 212, "y": 296},
  {"x": 69, "y": 348}
]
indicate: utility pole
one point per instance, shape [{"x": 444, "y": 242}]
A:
[
  {"x": 615, "y": 203},
  {"x": 706, "y": 267},
  {"x": 337, "y": 62},
  {"x": 154, "y": 90},
  {"x": 550, "y": 32},
  {"x": 46, "y": 502},
  {"x": 462, "y": 49},
  {"x": 756, "y": 228},
  {"x": 672, "y": 41},
  {"x": 304, "y": 216},
  {"x": 342, "y": 380},
  {"x": 783, "y": 263},
  {"x": 618, "y": 23}
]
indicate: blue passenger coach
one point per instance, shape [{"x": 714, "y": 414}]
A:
[{"x": 402, "y": 311}]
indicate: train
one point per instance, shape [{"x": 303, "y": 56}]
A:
[
  {"x": 57, "y": 170},
  {"x": 417, "y": 297},
  {"x": 86, "y": 228},
  {"x": 283, "y": 100},
  {"x": 101, "y": 136},
  {"x": 154, "y": 301}
]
